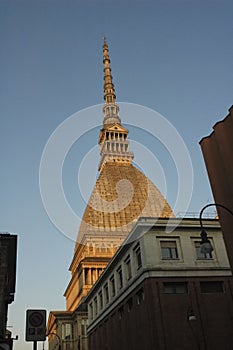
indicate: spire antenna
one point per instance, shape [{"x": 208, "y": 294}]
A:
[
  {"x": 109, "y": 90},
  {"x": 113, "y": 139}
]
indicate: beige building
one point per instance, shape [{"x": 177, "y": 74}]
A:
[
  {"x": 68, "y": 329},
  {"x": 121, "y": 195},
  {"x": 160, "y": 292}
]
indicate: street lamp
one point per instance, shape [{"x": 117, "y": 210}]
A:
[{"x": 206, "y": 246}]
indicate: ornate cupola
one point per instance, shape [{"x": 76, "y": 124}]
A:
[
  {"x": 113, "y": 139},
  {"x": 120, "y": 196}
]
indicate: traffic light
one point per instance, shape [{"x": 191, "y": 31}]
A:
[
  {"x": 35, "y": 325},
  {"x": 6, "y": 344}
]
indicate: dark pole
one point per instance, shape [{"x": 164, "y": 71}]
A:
[{"x": 35, "y": 345}]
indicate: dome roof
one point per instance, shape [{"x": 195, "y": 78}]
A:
[{"x": 121, "y": 195}]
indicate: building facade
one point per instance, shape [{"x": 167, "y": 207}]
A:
[
  {"x": 68, "y": 329},
  {"x": 160, "y": 292},
  {"x": 217, "y": 149},
  {"x": 8, "y": 254}
]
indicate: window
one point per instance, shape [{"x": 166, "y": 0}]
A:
[
  {"x": 91, "y": 311},
  {"x": 84, "y": 327},
  {"x": 212, "y": 287},
  {"x": 66, "y": 331},
  {"x": 129, "y": 304},
  {"x": 137, "y": 252},
  {"x": 112, "y": 283},
  {"x": 169, "y": 250},
  {"x": 101, "y": 300},
  {"x": 200, "y": 255},
  {"x": 128, "y": 268},
  {"x": 175, "y": 288},
  {"x": 121, "y": 312},
  {"x": 140, "y": 296},
  {"x": 106, "y": 293},
  {"x": 3, "y": 256},
  {"x": 120, "y": 277},
  {"x": 95, "y": 306}
]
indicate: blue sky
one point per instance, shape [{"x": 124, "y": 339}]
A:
[{"x": 174, "y": 57}]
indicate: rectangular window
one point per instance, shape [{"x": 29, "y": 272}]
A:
[
  {"x": 3, "y": 256},
  {"x": 169, "y": 250},
  {"x": 121, "y": 312},
  {"x": 120, "y": 277},
  {"x": 91, "y": 311},
  {"x": 106, "y": 293},
  {"x": 212, "y": 287},
  {"x": 137, "y": 252},
  {"x": 101, "y": 300},
  {"x": 129, "y": 304},
  {"x": 175, "y": 288},
  {"x": 84, "y": 327},
  {"x": 128, "y": 267},
  {"x": 200, "y": 255},
  {"x": 140, "y": 296},
  {"x": 95, "y": 306},
  {"x": 112, "y": 284},
  {"x": 66, "y": 331}
]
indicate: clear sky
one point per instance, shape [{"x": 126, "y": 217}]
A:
[{"x": 172, "y": 56}]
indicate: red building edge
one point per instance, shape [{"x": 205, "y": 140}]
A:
[{"x": 217, "y": 149}]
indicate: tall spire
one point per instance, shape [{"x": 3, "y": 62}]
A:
[
  {"x": 113, "y": 139},
  {"x": 110, "y": 109},
  {"x": 109, "y": 91}
]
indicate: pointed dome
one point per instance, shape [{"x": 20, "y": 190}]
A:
[{"x": 121, "y": 195}]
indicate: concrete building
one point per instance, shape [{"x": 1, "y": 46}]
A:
[
  {"x": 70, "y": 329},
  {"x": 8, "y": 251},
  {"x": 217, "y": 149},
  {"x": 160, "y": 292}
]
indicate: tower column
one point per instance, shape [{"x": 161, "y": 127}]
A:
[
  {"x": 83, "y": 277},
  {"x": 88, "y": 276},
  {"x": 92, "y": 276}
]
